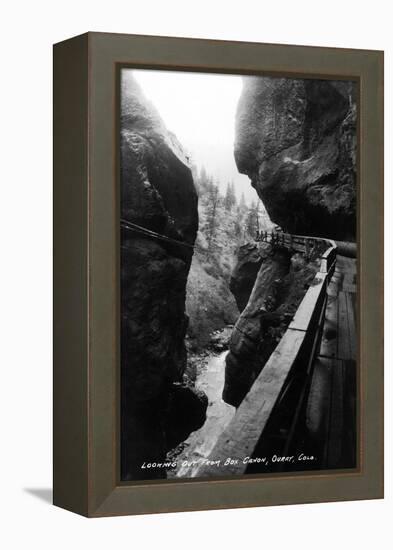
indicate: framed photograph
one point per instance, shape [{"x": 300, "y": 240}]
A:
[{"x": 218, "y": 274}]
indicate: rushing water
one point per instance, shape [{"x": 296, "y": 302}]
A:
[{"x": 200, "y": 443}]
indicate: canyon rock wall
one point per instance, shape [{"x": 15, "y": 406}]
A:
[
  {"x": 245, "y": 272},
  {"x": 249, "y": 347},
  {"x": 296, "y": 140},
  {"x": 157, "y": 192},
  {"x": 279, "y": 286}
]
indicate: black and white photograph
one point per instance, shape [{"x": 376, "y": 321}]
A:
[
  {"x": 196, "y": 267},
  {"x": 238, "y": 201}
]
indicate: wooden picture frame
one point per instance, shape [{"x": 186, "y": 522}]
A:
[{"x": 86, "y": 274}]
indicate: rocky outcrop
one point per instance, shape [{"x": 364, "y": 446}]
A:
[
  {"x": 220, "y": 339},
  {"x": 296, "y": 140},
  {"x": 243, "y": 276},
  {"x": 157, "y": 193},
  {"x": 279, "y": 286},
  {"x": 186, "y": 413}
]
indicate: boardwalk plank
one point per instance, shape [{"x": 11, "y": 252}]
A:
[
  {"x": 319, "y": 400},
  {"x": 333, "y": 289},
  {"x": 353, "y": 297},
  {"x": 349, "y": 288},
  {"x": 351, "y": 326},
  {"x": 329, "y": 341}
]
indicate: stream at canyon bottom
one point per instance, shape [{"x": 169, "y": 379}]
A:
[{"x": 201, "y": 442}]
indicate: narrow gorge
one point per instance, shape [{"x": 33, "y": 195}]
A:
[{"x": 203, "y": 303}]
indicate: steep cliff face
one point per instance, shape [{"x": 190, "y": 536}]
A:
[
  {"x": 249, "y": 347},
  {"x": 279, "y": 286},
  {"x": 249, "y": 260},
  {"x": 296, "y": 140},
  {"x": 157, "y": 193}
]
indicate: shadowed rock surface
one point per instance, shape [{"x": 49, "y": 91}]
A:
[
  {"x": 296, "y": 140},
  {"x": 243, "y": 276},
  {"x": 157, "y": 192},
  {"x": 279, "y": 287}
]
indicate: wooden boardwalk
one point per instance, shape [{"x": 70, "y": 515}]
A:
[
  {"x": 304, "y": 399},
  {"x": 331, "y": 409}
]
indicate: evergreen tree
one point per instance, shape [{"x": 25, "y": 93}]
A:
[
  {"x": 252, "y": 220},
  {"x": 237, "y": 228},
  {"x": 242, "y": 204},
  {"x": 213, "y": 203},
  {"x": 230, "y": 197},
  {"x": 233, "y": 194},
  {"x": 227, "y": 199},
  {"x": 203, "y": 177},
  {"x": 203, "y": 182}
]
